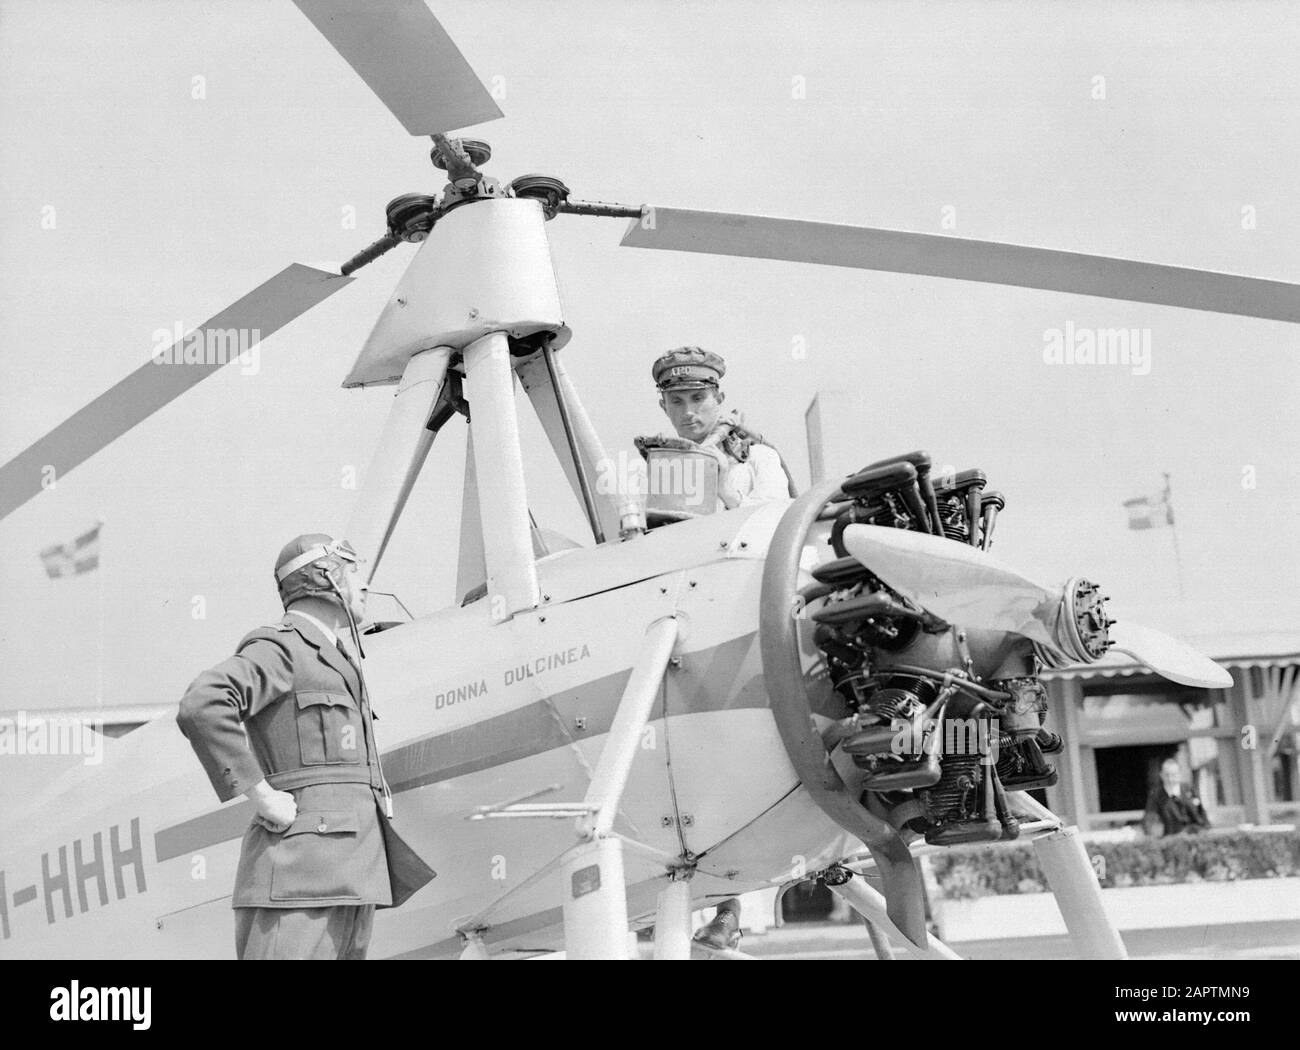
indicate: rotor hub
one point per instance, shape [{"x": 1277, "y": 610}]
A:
[
  {"x": 545, "y": 188},
  {"x": 411, "y": 216},
  {"x": 478, "y": 151}
]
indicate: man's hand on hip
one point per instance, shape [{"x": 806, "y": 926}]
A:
[{"x": 276, "y": 810}]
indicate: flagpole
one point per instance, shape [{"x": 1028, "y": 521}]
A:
[{"x": 1173, "y": 534}]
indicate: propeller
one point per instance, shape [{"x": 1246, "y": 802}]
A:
[
  {"x": 963, "y": 584},
  {"x": 1168, "y": 656},
  {"x": 990, "y": 262},
  {"x": 263, "y": 311},
  {"x": 402, "y": 52},
  {"x": 955, "y": 581}
]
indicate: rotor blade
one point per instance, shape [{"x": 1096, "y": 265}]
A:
[
  {"x": 989, "y": 262},
  {"x": 957, "y": 582},
  {"x": 1168, "y": 657},
  {"x": 264, "y": 310},
  {"x": 400, "y": 50}
]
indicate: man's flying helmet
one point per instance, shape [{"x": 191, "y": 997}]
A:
[{"x": 303, "y": 568}]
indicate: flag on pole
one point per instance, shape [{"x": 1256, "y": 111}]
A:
[
  {"x": 75, "y": 558},
  {"x": 1150, "y": 512}
]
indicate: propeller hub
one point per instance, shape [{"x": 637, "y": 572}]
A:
[{"x": 1084, "y": 628}]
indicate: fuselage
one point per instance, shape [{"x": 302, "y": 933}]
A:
[{"x": 135, "y": 857}]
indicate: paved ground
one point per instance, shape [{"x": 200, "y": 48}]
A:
[{"x": 1265, "y": 940}]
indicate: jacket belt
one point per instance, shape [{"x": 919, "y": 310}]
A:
[{"x": 308, "y": 777}]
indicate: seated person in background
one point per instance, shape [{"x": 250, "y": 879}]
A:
[
  {"x": 750, "y": 471},
  {"x": 1173, "y": 807}
]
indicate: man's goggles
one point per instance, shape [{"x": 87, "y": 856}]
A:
[{"x": 341, "y": 549}]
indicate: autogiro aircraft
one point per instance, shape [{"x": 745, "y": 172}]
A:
[{"x": 705, "y": 702}]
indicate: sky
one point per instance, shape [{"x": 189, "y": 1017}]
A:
[{"x": 136, "y": 197}]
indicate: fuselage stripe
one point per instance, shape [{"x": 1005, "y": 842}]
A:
[{"x": 708, "y": 681}]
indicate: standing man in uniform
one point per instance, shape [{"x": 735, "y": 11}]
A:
[
  {"x": 286, "y": 722},
  {"x": 750, "y": 471}
]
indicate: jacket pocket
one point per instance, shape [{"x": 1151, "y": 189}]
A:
[
  {"x": 329, "y": 729},
  {"x": 315, "y": 858}
]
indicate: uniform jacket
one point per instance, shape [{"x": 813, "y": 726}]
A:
[
  {"x": 759, "y": 478},
  {"x": 290, "y": 707},
  {"x": 1174, "y": 813},
  {"x": 756, "y": 472}
]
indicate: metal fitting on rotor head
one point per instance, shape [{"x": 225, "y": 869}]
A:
[
  {"x": 411, "y": 216},
  {"x": 545, "y": 188},
  {"x": 460, "y": 159}
]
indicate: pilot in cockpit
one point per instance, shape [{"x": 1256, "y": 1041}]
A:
[{"x": 749, "y": 469}]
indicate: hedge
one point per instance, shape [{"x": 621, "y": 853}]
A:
[{"x": 964, "y": 873}]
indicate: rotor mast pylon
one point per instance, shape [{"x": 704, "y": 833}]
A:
[
  {"x": 502, "y": 500},
  {"x": 403, "y": 447},
  {"x": 480, "y": 293},
  {"x": 483, "y": 287}
]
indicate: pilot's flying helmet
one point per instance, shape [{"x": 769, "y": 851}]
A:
[{"x": 305, "y": 563}]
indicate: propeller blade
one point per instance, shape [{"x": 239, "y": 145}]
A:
[
  {"x": 1168, "y": 657},
  {"x": 956, "y": 582},
  {"x": 989, "y": 262},
  {"x": 402, "y": 52},
  {"x": 964, "y": 585},
  {"x": 264, "y": 310}
]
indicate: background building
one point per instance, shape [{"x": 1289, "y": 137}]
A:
[{"x": 1237, "y": 747}]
